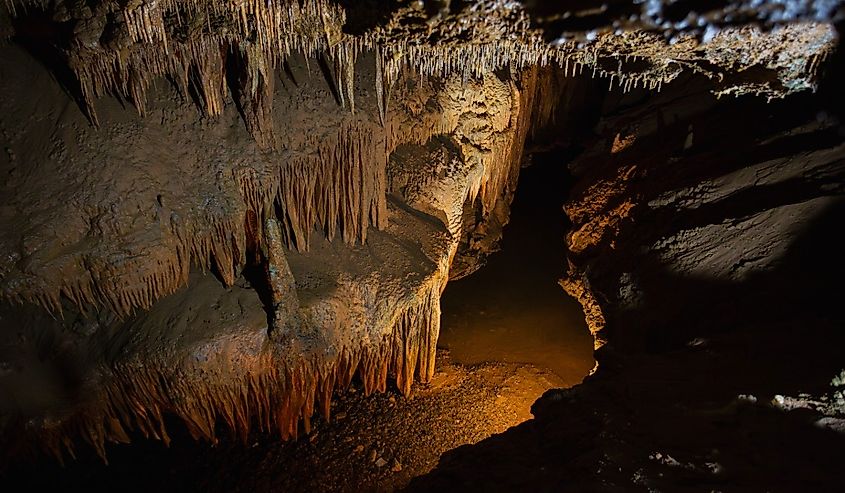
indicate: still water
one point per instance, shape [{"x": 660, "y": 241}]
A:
[{"x": 513, "y": 309}]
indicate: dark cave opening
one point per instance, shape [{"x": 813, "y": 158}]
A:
[{"x": 513, "y": 309}]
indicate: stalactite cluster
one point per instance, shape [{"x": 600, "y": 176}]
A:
[
  {"x": 264, "y": 389},
  {"x": 237, "y": 374},
  {"x": 335, "y": 185},
  {"x": 313, "y": 181},
  {"x": 276, "y": 378},
  {"x": 122, "y": 48}
]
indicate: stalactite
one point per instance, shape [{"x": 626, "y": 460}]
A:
[
  {"x": 267, "y": 389},
  {"x": 388, "y": 67},
  {"x": 344, "y": 57},
  {"x": 255, "y": 95},
  {"x": 549, "y": 90},
  {"x": 210, "y": 79},
  {"x": 314, "y": 27},
  {"x": 337, "y": 189}
]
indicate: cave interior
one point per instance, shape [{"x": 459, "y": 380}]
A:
[{"x": 458, "y": 245}]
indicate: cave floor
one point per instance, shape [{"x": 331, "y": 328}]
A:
[{"x": 373, "y": 443}]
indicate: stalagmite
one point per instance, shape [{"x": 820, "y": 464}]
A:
[
  {"x": 280, "y": 279},
  {"x": 382, "y": 95}
]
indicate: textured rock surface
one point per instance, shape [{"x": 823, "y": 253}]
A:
[
  {"x": 152, "y": 211},
  {"x": 122, "y": 47},
  {"x": 344, "y": 155},
  {"x": 704, "y": 253},
  {"x": 107, "y": 225}
]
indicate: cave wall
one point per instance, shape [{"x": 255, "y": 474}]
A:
[
  {"x": 690, "y": 205},
  {"x": 340, "y": 243},
  {"x": 282, "y": 205},
  {"x": 703, "y": 250}
]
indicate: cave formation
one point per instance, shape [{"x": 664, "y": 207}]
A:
[{"x": 218, "y": 218}]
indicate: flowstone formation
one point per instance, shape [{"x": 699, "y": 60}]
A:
[
  {"x": 125, "y": 240},
  {"x": 239, "y": 263}
]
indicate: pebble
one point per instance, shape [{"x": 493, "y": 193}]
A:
[
  {"x": 381, "y": 462},
  {"x": 396, "y": 466},
  {"x": 373, "y": 455},
  {"x": 359, "y": 449}
]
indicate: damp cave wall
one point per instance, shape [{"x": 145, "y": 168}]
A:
[{"x": 704, "y": 251}]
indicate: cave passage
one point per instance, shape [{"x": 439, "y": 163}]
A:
[{"x": 513, "y": 309}]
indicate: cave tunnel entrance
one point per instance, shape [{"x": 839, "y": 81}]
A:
[{"x": 512, "y": 309}]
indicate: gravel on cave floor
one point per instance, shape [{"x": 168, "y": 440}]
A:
[{"x": 373, "y": 443}]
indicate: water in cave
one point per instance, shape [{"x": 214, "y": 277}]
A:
[{"x": 513, "y": 309}]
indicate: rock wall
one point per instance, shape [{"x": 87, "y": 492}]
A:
[
  {"x": 704, "y": 253},
  {"x": 684, "y": 190},
  {"x": 334, "y": 160},
  {"x": 332, "y": 248}
]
